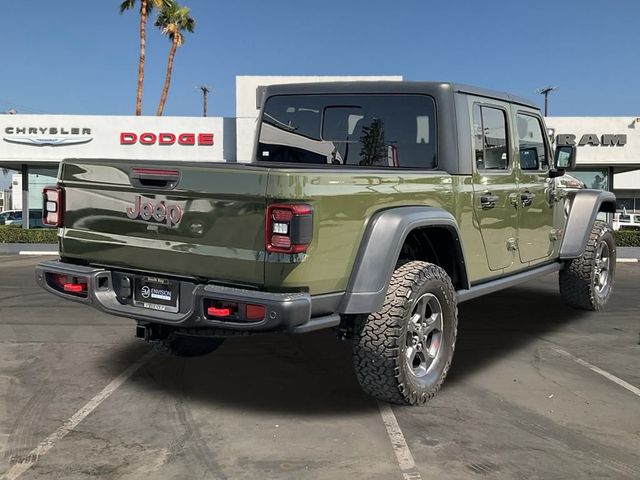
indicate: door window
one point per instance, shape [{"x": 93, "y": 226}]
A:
[
  {"x": 490, "y": 138},
  {"x": 531, "y": 145}
]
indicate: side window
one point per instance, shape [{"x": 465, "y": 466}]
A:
[
  {"x": 490, "y": 138},
  {"x": 533, "y": 152}
]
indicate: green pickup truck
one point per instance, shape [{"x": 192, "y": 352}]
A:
[{"x": 372, "y": 208}]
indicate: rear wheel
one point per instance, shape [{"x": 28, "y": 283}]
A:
[
  {"x": 181, "y": 345},
  {"x": 586, "y": 282},
  {"x": 403, "y": 352}
]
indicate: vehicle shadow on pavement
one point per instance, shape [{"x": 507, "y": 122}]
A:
[
  {"x": 307, "y": 374},
  {"x": 492, "y": 326},
  {"x": 312, "y": 374}
]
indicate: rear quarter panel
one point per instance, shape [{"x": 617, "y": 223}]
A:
[{"x": 343, "y": 202}]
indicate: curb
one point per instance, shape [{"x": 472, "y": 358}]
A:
[{"x": 18, "y": 248}]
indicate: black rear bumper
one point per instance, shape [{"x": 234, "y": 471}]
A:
[{"x": 289, "y": 312}]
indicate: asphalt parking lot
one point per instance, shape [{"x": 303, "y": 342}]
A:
[{"x": 532, "y": 395}]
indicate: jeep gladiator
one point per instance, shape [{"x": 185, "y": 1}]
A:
[{"x": 372, "y": 208}]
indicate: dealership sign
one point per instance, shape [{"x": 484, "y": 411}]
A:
[
  {"x": 49, "y": 136},
  {"x": 166, "y": 138},
  {"x": 591, "y": 139}
]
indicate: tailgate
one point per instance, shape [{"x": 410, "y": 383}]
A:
[{"x": 180, "y": 218}]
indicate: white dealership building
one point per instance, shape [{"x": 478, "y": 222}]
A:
[{"x": 34, "y": 145}]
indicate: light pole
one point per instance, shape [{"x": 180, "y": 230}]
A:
[
  {"x": 546, "y": 91},
  {"x": 205, "y": 91}
]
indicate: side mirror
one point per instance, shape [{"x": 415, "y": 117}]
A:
[{"x": 564, "y": 159}]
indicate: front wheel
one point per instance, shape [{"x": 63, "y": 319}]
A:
[
  {"x": 403, "y": 352},
  {"x": 586, "y": 282}
]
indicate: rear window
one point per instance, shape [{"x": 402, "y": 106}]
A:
[{"x": 355, "y": 130}]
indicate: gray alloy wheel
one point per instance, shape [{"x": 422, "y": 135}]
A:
[
  {"x": 424, "y": 335},
  {"x": 602, "y": 268}
]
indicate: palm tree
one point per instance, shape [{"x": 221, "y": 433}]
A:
[
  {"x": 145, "y": 8},
  {"x": 172, "y": 20}
]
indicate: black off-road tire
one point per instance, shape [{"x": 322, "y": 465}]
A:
[
  {"x": 382, "y": 341},
  {"x": 579, "y": 277},
  {"x": 186, "y": 345}
]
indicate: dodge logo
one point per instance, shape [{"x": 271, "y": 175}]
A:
[{"x": 161, "y": 212}]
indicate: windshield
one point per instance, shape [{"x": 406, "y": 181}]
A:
[{"x": 357, "y": 130}]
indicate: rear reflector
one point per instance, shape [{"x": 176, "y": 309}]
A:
[{"x": 255, "y": 312}]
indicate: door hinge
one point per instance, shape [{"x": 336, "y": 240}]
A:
[
  {"x": 555, "y": 234},
  {"x": 512, "y": 244}
]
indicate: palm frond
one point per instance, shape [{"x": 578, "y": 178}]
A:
[
  {"x": 173, "y": 19},
  {"x": 127, "y": 5}
]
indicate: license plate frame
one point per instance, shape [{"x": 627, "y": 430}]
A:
[{"x": 157, "y": 293}]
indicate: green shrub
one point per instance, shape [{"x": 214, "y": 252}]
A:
[
  {"x": 628, "y": 238},
  {"x": 15, "y": 234}
]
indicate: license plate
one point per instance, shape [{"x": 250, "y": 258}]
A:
[{"x": 156, "y": 294}]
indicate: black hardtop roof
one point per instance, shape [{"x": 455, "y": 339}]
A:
[{"x": 364, "y": 86}]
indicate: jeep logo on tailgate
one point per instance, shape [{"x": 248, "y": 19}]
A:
[{"x": 168, "y": 213}]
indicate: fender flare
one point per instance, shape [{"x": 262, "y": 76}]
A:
[
  {"x": 584, "y": 208},
  {"x": 380, "y": 249}
]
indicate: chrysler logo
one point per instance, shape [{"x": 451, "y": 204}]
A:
[{"x": 51, "y": 136}]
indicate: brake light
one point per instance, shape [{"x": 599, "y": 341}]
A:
[
  {"x": 155, "y": 172},
  {"x": 75, "y": 287},
  {"x": 289, "y": 227},
  {"x": 52, "y": 206},
  {"x": 219, "y": 312}
]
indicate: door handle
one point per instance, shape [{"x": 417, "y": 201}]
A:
[
  {"x": 154, "y": 178},
  {"x": 527, "y": 198},
  {"x": 488, "y": 200}
]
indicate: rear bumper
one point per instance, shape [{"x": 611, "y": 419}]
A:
[{"x": 289, "y": 312}]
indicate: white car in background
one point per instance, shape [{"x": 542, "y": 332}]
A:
[
  {"x": 14, "y": 217},
  {"x": 626, "y": 221}
]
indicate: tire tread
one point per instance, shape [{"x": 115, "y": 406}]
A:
[{"x": 378, "y": 341}]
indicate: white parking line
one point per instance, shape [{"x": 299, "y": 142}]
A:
[
  {"x": 626, "y": 260},
  {"x": 599, "y": 371},
  {"x": 37, "y": 252},
  {"x": 68, "y": 426},
  {"x": 399, "y": 444}
]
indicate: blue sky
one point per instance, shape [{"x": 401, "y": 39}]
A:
[{"x": 80, "y": 57}]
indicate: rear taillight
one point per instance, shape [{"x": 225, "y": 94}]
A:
[
  {"x": 52, "y": 206},
  {"x": 289, "y": 227}
]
